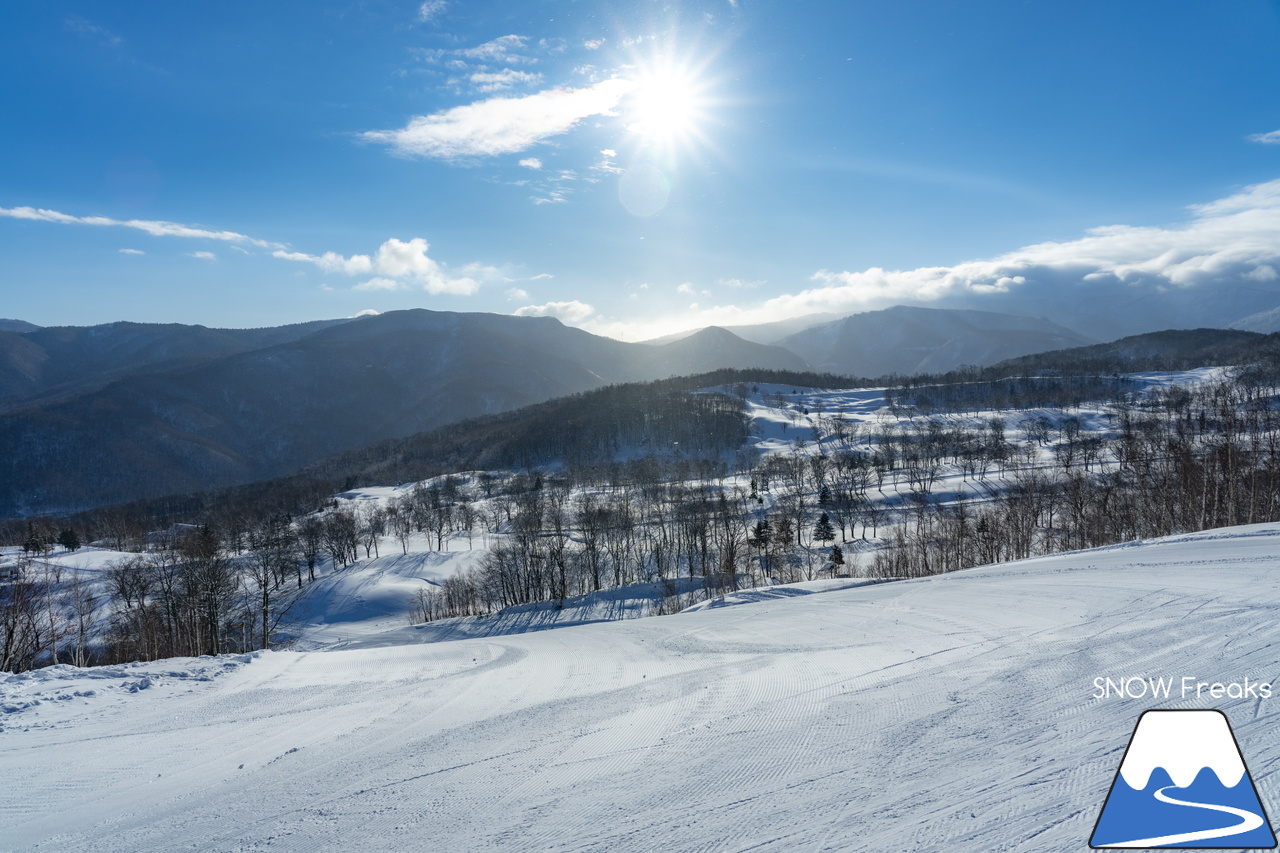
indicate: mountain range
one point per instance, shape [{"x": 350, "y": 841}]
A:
[
  {"x": 109, "y": 413},
  {"x": 96, "y": 415}
]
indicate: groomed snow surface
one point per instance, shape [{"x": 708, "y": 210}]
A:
[{"x": 953, "y": 713}]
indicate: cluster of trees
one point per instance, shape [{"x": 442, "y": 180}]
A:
[
  {"x": 1057, "y": 390},
  {"x": 1185, "y": 460},
  {"x": 1174, "y": 461},
  {"x": 878, "y": 497}
]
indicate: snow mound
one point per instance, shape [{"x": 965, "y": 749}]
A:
[
  {"x": 56, "y": 695},
  {"x": 772, "y": 593}
]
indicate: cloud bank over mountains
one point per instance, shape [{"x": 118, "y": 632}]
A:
[
  {"x": 1234, "y": 238},
  {"x": 1218, "y": 266}
]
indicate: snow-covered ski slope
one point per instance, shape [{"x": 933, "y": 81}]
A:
[{"x": 953, "y": 713}]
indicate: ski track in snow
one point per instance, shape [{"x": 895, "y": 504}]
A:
[{"x": 948, "y": 713}]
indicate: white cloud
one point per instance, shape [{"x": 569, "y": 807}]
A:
[
  {"x": 531, "y": 163},
  {"x": 1232, "y": 239},
  {"x": 593, "y": 44},
  {"x": 132, "y": 252},
  {"x": 331, "y": 261},
  {"x": 501, "y": 49},
  {"x": 430, "y": 9},
  {"x": 487, "y": 82},
  {"x": 396, "y": 259},
  {"x": 738, "y": 282},
  {"x": 204, "y": 256},
  {"x": 378, "y": 283},
  {"x": 501, "y": 125},
  {"x": 368, "y": 312},
  {"x": 517, "y": 294},
  {"x": 570, "y": 312},
  {"x": 542, "y": 275},
  {"x": 1233, "y": 236},
  {"x": 156, "y": 228},
  {"x": 606, "y": 162},
  {"x": 1272, "y": 138}
]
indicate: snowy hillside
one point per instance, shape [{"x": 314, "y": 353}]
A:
[{"x": 948, "y": 713}]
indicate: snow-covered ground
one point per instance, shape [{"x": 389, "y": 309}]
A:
[
  {"x": 370, "y": 597},
  {"x": 951, "y": 713}
]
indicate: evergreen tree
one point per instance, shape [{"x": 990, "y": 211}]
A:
[
  {"x": 69, "y": 539},
  {"x": 823, "y": 531},
  {"x": 761, "y": 534}
]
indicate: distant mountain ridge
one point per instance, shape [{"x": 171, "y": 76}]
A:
[
  {"x": 48, "y": 362},
  {"x": 1174, "y": 349},
  {"x": 7, "y": 325},
  {"x": 107, "y": 414},
  {"x": 761, "y": 333},
  {"x": 163, "y": 410},
  {"x": 906, "y": 340}
]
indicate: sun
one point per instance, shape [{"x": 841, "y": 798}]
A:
[
  {"x": 669, "y": 105},
  {"x": 665, "y": 106}
]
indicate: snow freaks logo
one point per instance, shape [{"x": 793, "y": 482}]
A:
[{"x": 1183, "y": 783}]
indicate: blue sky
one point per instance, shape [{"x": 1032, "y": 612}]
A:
[{"x": 633, "y": 168}]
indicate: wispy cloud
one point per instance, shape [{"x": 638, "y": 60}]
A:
[
  {"x": 607, "y": 163},
  {"x": 132, "y": 252},
  {"x": 204, "y": 256},
  {"x": 430, "y": 10},
  {"x": 1272, "y": 138},
  {"x": 488, "y": 82},
  {"x": 531, "y": 163},
  {"x": 379, "y": 283},
  {"x": 91, "y": 30},
  {"x": 504, "y": 49},
  {"x": 501, "y": 125},
  {"x": 394, "y": 262},
  {"x": 572, "y": 311},
  {"x": 156, "y": 228}
]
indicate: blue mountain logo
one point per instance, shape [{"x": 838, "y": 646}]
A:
[{"x": 1183, "y": 783}]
